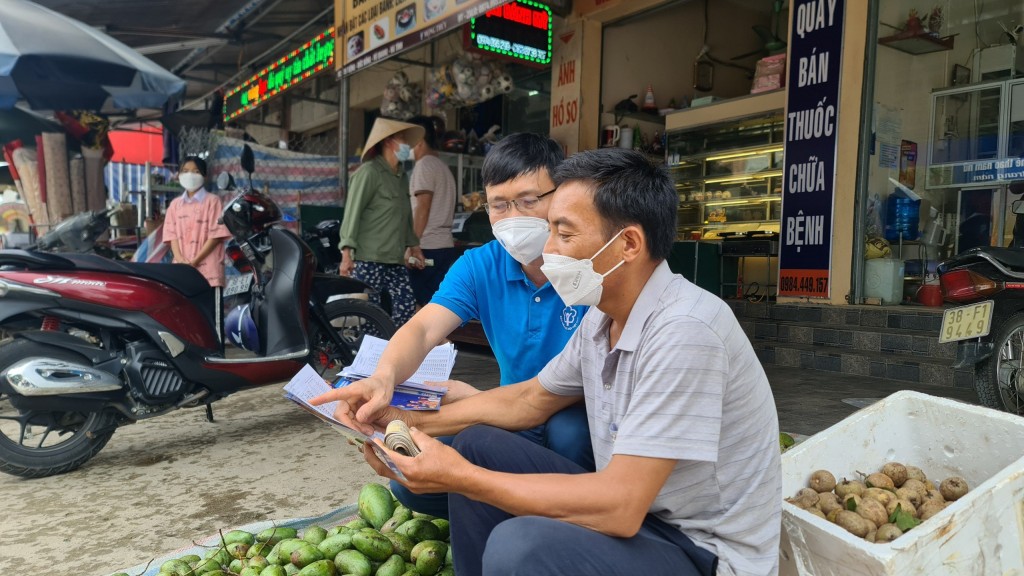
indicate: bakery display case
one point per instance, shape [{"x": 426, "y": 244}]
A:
[{"x": 726, "y": 161}]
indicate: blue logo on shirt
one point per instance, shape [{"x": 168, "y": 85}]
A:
[{"x": 570, "y": 318}]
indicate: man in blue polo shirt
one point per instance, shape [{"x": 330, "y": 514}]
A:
[{"x": 501, "y": 285}]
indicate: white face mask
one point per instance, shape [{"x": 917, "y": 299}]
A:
[
  {"x": 574, "y": 280},
  {"x": 190, "y": 181},
  {"x": 523, "y": 237}
]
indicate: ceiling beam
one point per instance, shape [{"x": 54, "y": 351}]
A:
[{"x": 180, "y": 45}]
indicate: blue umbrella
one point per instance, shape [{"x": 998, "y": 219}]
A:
[{"x": 57, "y": 63}]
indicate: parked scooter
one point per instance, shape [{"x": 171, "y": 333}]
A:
[
  {"x": 989, "y": 327},
  {"x": 117, "y": 342}
]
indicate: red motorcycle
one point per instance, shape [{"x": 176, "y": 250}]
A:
[{"x": 94, "y": 343}]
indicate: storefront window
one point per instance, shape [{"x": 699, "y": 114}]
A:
[{"x": 947, "y": 133}]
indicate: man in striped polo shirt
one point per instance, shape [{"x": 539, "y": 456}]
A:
[{"x": 682, "y": 418}]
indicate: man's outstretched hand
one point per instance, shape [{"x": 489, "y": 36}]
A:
[{"x": 361, "y": 404}]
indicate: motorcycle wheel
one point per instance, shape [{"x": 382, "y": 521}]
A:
[
  {"x": 352, "y": 319},
  {"x": 35, "y": 443},
  {"x": 999, "y": 380}
]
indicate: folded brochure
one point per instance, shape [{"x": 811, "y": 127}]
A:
[
  {"x": 414, "y": 393},
  {"x": 307, "y": 384}
]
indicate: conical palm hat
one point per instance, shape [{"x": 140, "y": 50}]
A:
[{"x": 383, "y": 128}]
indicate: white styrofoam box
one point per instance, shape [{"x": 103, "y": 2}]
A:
[
  {"x": 982, "y": 533},
  {"x": 883, "y": 278}
]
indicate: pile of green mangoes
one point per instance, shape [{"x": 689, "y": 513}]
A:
[{"x": 387, "y": 539}]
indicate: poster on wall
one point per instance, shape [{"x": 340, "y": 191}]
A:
[
  {"x": 908, "y": 163},
  {"x": 812, "y": 102},
  {"x": 374, "y": 30},
  {"x": 566, "y": 89}
]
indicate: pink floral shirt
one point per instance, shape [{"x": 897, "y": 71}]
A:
[{"x": 193, "y": 221}]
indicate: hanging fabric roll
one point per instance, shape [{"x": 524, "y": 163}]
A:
[
  {"x": 58, "y": 188},
  {"x": 77, "y": 175},
  {"x": 27, "y": 164},
  {"x": 95, "y": 191}
]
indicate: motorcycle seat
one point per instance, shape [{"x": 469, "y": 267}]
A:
[
  {"x": 34, "y": 260},
  {"x": 1010, "y": 257},
  {"x": 183, "y": 278}
]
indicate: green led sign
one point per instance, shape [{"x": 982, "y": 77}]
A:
[
  {"x": 309, "y": 59},
  {"x": 521, "y": 30}
]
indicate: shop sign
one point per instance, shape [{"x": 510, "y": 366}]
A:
[
  {"x": 812, "y": 102},
  {"x": 302, "y": 63},
  {"x": 980, "y": 172},
  {"x": 520, "y": 30},
  {"x": 566, "y": 88},
  {"x": 375, "y": 30}
]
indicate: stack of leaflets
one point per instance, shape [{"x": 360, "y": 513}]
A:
[
  {"x": 414, "y": 393},
  {"x": 308, "y": 384}
]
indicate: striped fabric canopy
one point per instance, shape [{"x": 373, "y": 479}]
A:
[{"x": 293, "y": 178}]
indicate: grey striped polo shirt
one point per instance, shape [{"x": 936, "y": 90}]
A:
[{"x": 683, "y": 383}]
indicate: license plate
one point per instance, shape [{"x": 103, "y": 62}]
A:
[
  {"x": 964, "y": 322},
  {"x": 237, "y": 285}
]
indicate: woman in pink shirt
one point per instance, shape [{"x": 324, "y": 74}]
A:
[{"x": 192, "y": 226}]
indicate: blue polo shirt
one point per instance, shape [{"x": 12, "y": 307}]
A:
[{"x": 525, "y": 326}]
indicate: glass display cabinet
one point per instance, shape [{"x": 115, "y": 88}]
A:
[{"x": 726, "y": 161}]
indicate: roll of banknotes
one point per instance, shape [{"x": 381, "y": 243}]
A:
[{"x": 398, "y": 438}]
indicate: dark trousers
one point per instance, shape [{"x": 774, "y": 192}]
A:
[
  {"x": 566, "y": 433},
  {"x": 426, "y": 281},
  {"x": 489, "y": 541}
]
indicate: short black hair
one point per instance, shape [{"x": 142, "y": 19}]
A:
[
  {"x": 199, "y": 162},
  {"x": 628, "y": 189},
  {"x": 519, "y": 154},
  {"x": 429, "y": 131}
]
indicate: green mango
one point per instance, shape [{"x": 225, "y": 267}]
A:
[
  {"x": 206, "y": 566},
  {"x": 259, "y": 549},
  {"x": 419, "y": 530},
  {"x": 286, "y": 547},
  {"x": 314, "y": 535},
  {"x": 401, "y": 516},
  {"x": 236, "y": 566},
  {"x": 338, "y": 530},
  {"x": 239, "y": 536},
  {"x": 305, "y": 555},
  {"x": 447, "y": 571},
  {"x": 334, "y": 544},
  {"x": 250, "y": 571},
  {"x": 276, "y": 533},
  {"x": 237, "y": 549},
  {"x": 219, "y": 573},
  {"x": 291, "y": 569},
  {"x": 275, "y": 558},
  {"x": 273, "y": 570},
  {"x": 412, "y": 572},
  {"x": 448, "y": 557},
  {"x": 176, "y": 566},
  {"x": 444, "y": 526},
  {"x": 258, "y": 562},
  {"x": 373, "y": 545},
  {"x": 220, "y": 555},
  {"x": 430, "y": 560},
  {"x": 319, "y": 568},
  {"x": 357, "y": 524},
  {"x": 439, "y": 547},
  {"x": 402, "y": 543},
  {"x": 190, "y": 559},
  {"x": 426, "y": 517},
  {"x": 352, "y": 562},
  {"x": 409, "y": 566},
  {"x": 393, "y": 566},
  {"x": 375, "y": 504}
]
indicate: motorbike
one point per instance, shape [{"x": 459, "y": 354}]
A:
[
  {"x": 988, "y": 326},
  {"x": 95, "y": 344}
]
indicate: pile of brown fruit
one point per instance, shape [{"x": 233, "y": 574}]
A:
[{"x": 881, "y": 506}]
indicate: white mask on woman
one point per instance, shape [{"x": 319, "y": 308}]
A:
[
  {"x": 523, "y": 237},
  {"x": 574, "y": 280},
  {"x": 191, "y": 181}
]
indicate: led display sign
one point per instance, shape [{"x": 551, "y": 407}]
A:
[
  {"x": 519, "y": 30},
  {"x": 309, "y": 59}
]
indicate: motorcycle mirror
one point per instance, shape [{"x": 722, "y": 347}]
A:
[
  {"x": 1017, "y": 207},
  {"x": 225, "y": 181},
  {"x": 248, "y": 161}
]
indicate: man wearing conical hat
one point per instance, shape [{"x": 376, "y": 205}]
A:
[{"x": 377, "y": 227}]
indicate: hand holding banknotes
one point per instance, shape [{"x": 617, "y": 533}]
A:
[{"x": 436, "y": 471}]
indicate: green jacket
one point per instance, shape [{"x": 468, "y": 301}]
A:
[{"x": 378, "y": 214}]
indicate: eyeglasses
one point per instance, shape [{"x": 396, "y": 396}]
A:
[{"x": 524, "y": 204}]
